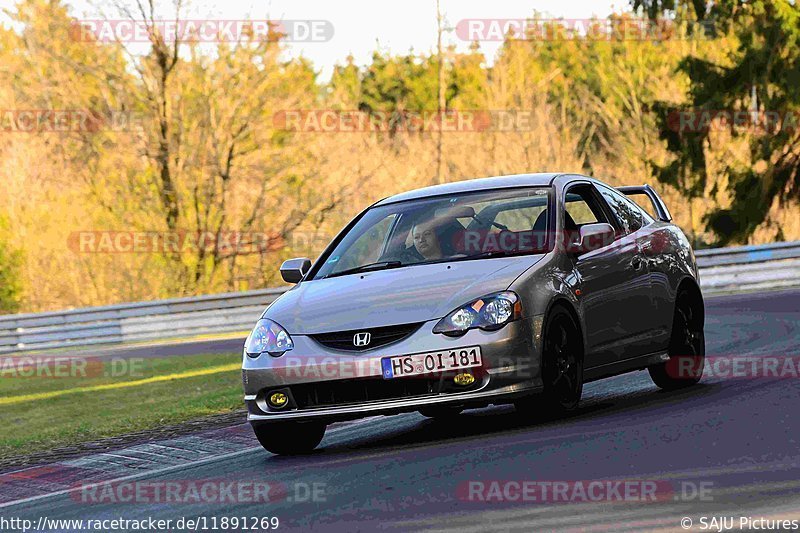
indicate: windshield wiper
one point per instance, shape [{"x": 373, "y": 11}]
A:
[
  {"x": 369, "y": 267},
  {"x": 480, "y": 255},
  {"x": 497, "y": 253}
]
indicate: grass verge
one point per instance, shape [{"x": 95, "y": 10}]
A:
[{"x": 107, "y": 402}]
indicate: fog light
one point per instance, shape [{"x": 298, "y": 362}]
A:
[
  {"x": 277, "y": 400},
  {"x": 464, "y": 379}
]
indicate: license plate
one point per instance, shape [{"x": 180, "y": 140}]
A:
[{"x": 430, "y": 363}]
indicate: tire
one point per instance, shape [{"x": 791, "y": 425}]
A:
[
  {"x": 562, "y": 367},
  {"x": 441, "y": 413},
  {"x": 687, "y": 347},
  {"x": 290, "y": 438}
]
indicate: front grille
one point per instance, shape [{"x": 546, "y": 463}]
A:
[
  {"x": 361, "y": 390},
  {"x": 343, "y": 340}
]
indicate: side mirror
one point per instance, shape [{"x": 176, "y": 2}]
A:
[
  {"x": 293, "y": 270},
  {"x": 594, "y": 236}
]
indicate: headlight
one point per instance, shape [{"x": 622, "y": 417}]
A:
[
  {"x": 270, "y": 337},
  {"x": 490, "y": 313}
]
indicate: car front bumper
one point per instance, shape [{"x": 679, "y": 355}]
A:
[{"x": 511, "y": 369}]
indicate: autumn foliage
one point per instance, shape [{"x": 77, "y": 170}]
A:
[{"x": 188, "y": 142}]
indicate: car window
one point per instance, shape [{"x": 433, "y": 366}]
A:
[
  {"x": 519, "y": 218},
  {"x": 369, "y": 246},
  {"x": 647, "y": 218},
  {"x": 627, "y": 212},
  {"x": 460, "y": 226},
  {"x": 457, "y": 225},
  {"x": 645, "y": 205},
  {"x": 580, "y": 211},
  {"x": 581, "y": 207}
]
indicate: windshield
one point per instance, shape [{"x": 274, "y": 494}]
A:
[{"x": 443, "y": 228}]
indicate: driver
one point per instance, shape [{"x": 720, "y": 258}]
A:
[
  {"x": 426, "y": 238},
  {"x": 426, "y": 245}
]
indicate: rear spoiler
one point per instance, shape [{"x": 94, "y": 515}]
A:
[{"x": 658, "y": 204}]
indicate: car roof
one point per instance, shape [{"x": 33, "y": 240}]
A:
[{"x": 479, "y": 184}]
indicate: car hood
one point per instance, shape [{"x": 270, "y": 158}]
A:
[{"x": 395, "y": 296}]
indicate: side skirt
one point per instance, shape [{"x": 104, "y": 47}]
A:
[{"x": 620, "y": 367}]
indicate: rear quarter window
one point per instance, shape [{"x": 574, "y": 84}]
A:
[{"x": 627, "y": 212}]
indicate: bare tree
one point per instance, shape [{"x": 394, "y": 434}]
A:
[{"x": 441, "y": 103}]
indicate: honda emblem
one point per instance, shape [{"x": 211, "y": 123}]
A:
[{"x": 362, "y": 339}]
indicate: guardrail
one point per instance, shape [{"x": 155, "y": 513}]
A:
[
  {"x": 749, "y": 268},
  {"x": 742, "y": 255},
  {"x": 722, "y": 270},
  {"x": 133, "y": 322}
]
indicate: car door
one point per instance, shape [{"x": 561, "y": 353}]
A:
[
  {"x": 654, "y": 239},
  {"x": 612, "y": 280},
  {"x": 632, "y": 222}
]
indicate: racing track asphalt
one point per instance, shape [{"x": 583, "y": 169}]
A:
[{"x": 735, "y": 437}]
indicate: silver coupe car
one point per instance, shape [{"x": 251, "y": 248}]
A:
[{"x": 513, "y": 289}]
